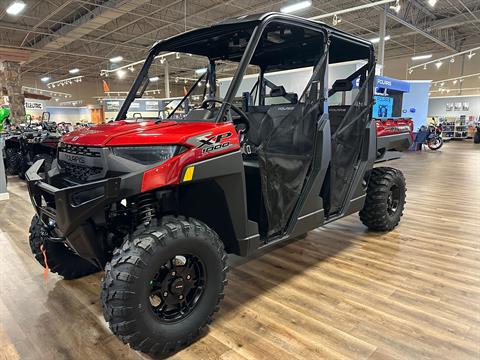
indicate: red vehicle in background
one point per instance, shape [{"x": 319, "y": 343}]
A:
[{"x": 393, "y": 134}]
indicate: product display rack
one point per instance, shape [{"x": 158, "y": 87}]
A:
[{"x": 454, "y": 127}]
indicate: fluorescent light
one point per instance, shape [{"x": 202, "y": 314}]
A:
[
  {"x": 432, "y": 2},
  {"x": 74, "y": 71},
  {"x": 377, "y": 39},
  {"x": 45, "y": 79},
  {"x": 116, "y": 59},
  {"x": 121, "y": 73},
  {"x": 297, "y": 6},
  {"x": 422, "y": 57},
  {"x": 201, "y": 71},
  {"x": 16, "y": 8},
  {"x": 154, "y": 79}
]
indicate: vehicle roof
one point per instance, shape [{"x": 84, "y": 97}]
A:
[{"x": 254, "y": 19}]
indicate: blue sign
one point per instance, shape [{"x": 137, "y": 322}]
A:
[
  {"x": 383, "y": 107},
  {"x": 383, "y": 82}
]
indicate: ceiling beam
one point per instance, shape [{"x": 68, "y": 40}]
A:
[{"x": 89, "y": 22}]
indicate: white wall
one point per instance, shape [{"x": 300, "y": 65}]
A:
[
  {"x": 437, "y": 106},
  {"x": 416, "y": 100}
]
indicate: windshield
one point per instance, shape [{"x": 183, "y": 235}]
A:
[{"x": 174, "y": 82}]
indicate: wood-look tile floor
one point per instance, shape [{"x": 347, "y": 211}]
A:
[{"x": 341, "y": 293}]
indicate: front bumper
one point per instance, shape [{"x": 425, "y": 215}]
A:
[{"x": 70, "y": 210}]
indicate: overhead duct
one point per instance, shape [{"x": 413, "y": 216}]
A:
[{"x": 92, "y": 21}]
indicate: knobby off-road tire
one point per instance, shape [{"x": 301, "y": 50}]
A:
[
  {"x": 385, "y": 200},
  {"x": 140, "y": 267},
  {"x": 12, "y": 161},
  {"x": 61, "y": 260}
]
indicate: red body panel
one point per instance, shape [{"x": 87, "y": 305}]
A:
[
  {"x": 394, "y": 126},
  {"x": 203, "y": 140}
]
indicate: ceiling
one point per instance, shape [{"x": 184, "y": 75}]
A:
[{"x": 63, "y": 34}]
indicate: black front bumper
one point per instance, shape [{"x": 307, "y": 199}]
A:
[{"x": 69, "y": 210}]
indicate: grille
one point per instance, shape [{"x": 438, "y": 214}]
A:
[
  {"x": 81, "y": 172},
  {"x": 81, "y": 150}
]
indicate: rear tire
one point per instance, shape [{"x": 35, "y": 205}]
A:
[
  {"x": 61, "y": 260},
  {"x": 12, "y": 161},
  {"x": 476, "y": 137},
  {"x": 145, "y": 277},
  {"x": 385, "y": 199}
]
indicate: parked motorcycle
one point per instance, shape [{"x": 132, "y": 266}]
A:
[{"x": 432, "y": 136}]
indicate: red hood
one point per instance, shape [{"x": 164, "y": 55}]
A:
[{"x": 123, "y": 133}]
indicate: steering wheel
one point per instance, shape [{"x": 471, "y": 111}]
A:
[{"x": 243, "y": 117}]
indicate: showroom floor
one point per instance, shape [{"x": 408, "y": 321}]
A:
[{"x": 341, "y": 293}]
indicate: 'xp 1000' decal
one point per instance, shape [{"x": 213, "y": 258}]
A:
[{"x": 209, "y": 143}]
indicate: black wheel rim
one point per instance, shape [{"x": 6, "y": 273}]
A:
[
  {"x": 177, "y": 287},
  {"x": 393, "y": 200}
]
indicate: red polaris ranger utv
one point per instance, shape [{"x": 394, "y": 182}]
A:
[{"x": 285, "y": 146}]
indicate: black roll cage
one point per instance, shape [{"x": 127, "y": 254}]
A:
[{"x": 261, "y": 21}]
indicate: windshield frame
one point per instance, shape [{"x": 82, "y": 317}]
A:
[{"x": 258, "y": 26}]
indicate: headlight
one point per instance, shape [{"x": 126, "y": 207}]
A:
[{"x": 147, "y": 155}]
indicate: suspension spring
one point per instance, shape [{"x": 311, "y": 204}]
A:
[{"x": 145, "y": 209}]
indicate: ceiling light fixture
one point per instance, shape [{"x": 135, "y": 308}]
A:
[
  {"x": 438, "y": 64},
  {"x": 377, "y": 39},
  {"x": 74, "y": 71},
  {"x": 432, "y": 3},
  {"x": 121, "y": 74},
  {"x": 472, "y": 54},
  {"x": 116, "y": 59},
  {"x": 45, "y": 79},
  {"x": 422, "y": 57},
  {"x": 397, "y": 7},
  {"x": 154, "y": 79},
  {"x": 455, "y": 82},
  {"x": 16, "y": 8},
  {"x": 296, "y": 6},
  {"x": 131, "y": 68},
  {"x": 452, "y": 60},
  {"x": 201, "y": 71}
]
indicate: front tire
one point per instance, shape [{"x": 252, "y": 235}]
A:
[
  {"x": 12, "y": 161},
  {"x": 61, "y": 260},
  {"x": 385, "y": 199},
  {"x": 163, "y": 285},
  {"x": 435, "y": 143}
]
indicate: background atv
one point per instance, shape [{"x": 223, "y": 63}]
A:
[
  {"x": 38, "y": 143},
  {"x": 159, "y": 204}
]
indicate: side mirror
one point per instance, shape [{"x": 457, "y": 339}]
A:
[
  {"x": 278, "y": 91},
  {"x": 342, "y": 85}
]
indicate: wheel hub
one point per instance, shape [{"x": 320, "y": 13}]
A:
[{"x": 177, "y": 287}]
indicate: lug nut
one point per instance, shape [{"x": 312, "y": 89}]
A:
[{"x": 165, "y": 294}]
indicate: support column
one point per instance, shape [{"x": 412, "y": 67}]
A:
[
  {"x": 13, "y": 85},
  {"x": 167, "y": 80},
  {"x": 381, "y": 43}
]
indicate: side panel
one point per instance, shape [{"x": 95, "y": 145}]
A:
[{"x": 220, "y": 183}]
